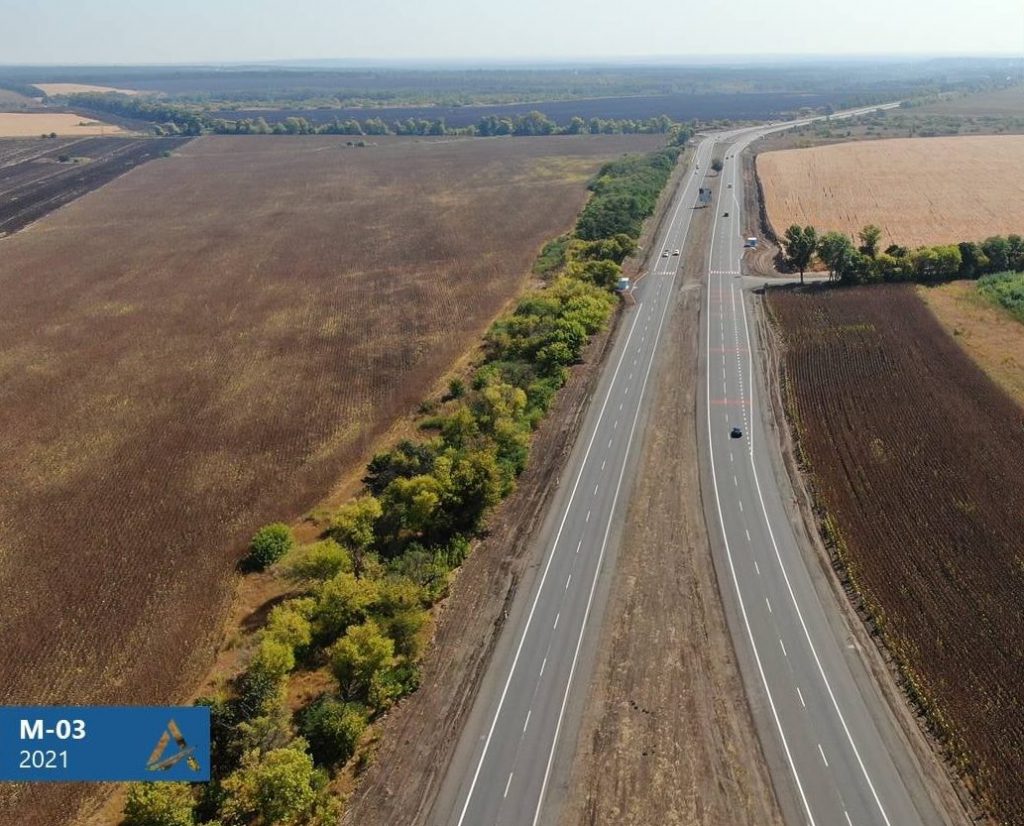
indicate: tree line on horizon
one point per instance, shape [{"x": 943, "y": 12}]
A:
[{"x": 179, "y": 119}]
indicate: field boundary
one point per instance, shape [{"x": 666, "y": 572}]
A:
[{"x": 930, "y": 742}]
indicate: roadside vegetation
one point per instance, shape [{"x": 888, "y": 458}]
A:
[
  {"x": 361, "y": 619},
  {"x": 999, "y": 258},
  {"x": 1006, "y": 290}
]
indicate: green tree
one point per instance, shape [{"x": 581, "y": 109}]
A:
[
  {"x": 353, "y": 527},
  {"x": 289, "y": 622},
  {"x": 409, "y": 506},
  {"x": 159, "y": 804},
  {"x": 801, "y": 245},
  {"x": 268, "y": 545},
  {"x": 602, "y": 273},
  {"x": 357, "y": 656},
  {"x": 274, "y": 658},
  {"x": 333, "y": 729},
  {"x": 836, "y": 251},
  {"x": 340, "y": 602},
  {"x": 281, "y": 787},
  {"x": 997, "y": 250},
  {"x": 869, "y": 238},
  {"x": 858, "y": 268},
  {"x": 321, "y": 560}
]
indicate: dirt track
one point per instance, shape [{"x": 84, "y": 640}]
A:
[{"x": 667, "y": 736}]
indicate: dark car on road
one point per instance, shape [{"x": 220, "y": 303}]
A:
[{"x": 736, "y": 433}]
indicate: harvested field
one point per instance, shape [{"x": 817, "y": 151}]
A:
[
  {"x": 34, "y": 181},
  {"x": 30, "y": 124},
  {"x": 212, "y": 342},
  {"x": 78, "y": 88},
  {"x": 917, "y": 457},
  {"x": 918, "y": 190}
]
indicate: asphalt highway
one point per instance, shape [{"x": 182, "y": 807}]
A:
[
  {"x": 515, "y": 749},
  {"x": 826, "y": 721}
]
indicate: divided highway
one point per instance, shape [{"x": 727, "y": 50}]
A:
[{"x": 823, "y": 742}]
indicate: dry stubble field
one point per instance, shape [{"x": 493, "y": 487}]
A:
[
  {"x": 31, "y": 124},
  {"x": 918, "y": 457},
  {"x": 918, "y": 190},
  {"x": 210, "y": 342}
]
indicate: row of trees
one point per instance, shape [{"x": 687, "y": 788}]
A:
[
  {"x": 183, "y": 119},
  {"x": 386, "y": 556},
  {"x": 865, "y": 263}
]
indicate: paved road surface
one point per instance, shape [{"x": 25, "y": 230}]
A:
[
  {"x": 515, "y": 750},
  {"x": 804, "y": 673}
]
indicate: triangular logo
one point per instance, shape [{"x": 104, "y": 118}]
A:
[{"x": 159, "y": 762}]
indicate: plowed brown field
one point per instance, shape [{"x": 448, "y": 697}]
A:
[
  {"x": 918, "y": 458},
  {"x": 918, "y": 190},
  {"x": 210, "y": 342}
]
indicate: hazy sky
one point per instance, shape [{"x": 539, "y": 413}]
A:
[{"x": 162, "y": 31}]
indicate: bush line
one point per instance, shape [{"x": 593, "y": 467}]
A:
[{"x": 388, "y": 555}]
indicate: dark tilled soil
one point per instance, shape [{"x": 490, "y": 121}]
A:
[
  {"x": 40, "y": 183},
  {"x": 921, "y": 487}
]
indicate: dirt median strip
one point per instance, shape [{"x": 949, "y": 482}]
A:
[{"x": 667, "y": 736}]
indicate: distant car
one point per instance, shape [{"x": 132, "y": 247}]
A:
[
  {"x": 665, "y": 254},
  {"x": 736, "y": 433},
  {"x": 725, "y": 214},
  {"x": 675, "y": 252},
  {"x": 730, "y": 186}
]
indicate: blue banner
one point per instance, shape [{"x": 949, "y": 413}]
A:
[{"x": 104, "y": 743}]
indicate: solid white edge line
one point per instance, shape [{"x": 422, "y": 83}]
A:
[
  {"x": 690, "y": 181},
  {"x": 565, "y": 515},
  {"x": 732, "y": 567},
  {"x": 544, "y": 575},
  {"x": 789, "y": 587},
  {"x": 608, "y": 527}
]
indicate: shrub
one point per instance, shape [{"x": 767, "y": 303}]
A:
[
  {"x": 341, "y": 602},
  {"x": 456, "y": 388},
  {"x": 281, "y": 786},
  {"x": 268, "y": 545},
  {"x": 358, "y": 656},
  {"x": 390, "y": 684},
  {"x": 289, "y": 623},
  {"x": 159, "y": 804},
  {"x": 274, "y": 658},
  {"x": 333, "y": 729},
  {"x": 321, "y": 561}
]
